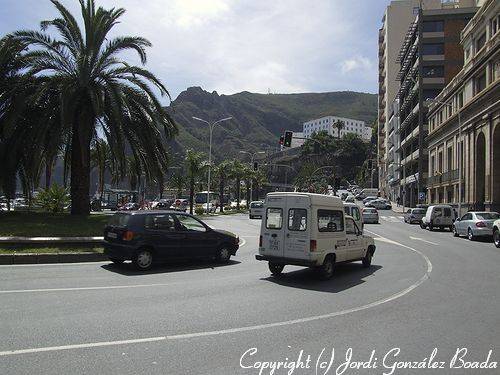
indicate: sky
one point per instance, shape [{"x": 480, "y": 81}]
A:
[{"x": 229, "y": 46}]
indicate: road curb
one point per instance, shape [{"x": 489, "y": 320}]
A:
[{"x": 6, "y": 259}]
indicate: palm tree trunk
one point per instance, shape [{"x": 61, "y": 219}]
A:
[
  {"x": 221, "y": 194},
  {"x": 80, "y": 167},
  {"x": 191, "y": 195},
  {"x": 238, "y": 188},
  {"x": 49, "y": 162}
]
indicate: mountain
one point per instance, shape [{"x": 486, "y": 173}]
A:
[{"x": 258, "y": 119}]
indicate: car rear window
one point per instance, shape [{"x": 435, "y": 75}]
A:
[
  {"x": 419, "y": 211},
  {"x": 119, "y": 220},
  {"x": 370, "y": 210},
  {"x": 330, "y": 221},
  {"x": 487, "y": 215},
  {"x": 274, "y": 218},
  {"x": 257, "y": 205}
]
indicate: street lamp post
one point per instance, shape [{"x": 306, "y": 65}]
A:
[
  {"x": 460, "y": 150},
  {"x": 211, "y": 126},
  {"x": 252, "y": 156}
]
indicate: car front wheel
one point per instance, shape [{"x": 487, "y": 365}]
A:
[
  {"x": 496, "y": 238},
  {"x": 367, "y": 260},
  {"x": 143, "y": 259},
  {"x": 454, "y": 230}
]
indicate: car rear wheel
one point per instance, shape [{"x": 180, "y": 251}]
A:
[
  {"x": 326, "y": 269},
  {"x": 470, "y": 235},
  {"x": 143, "y": 259},
  {"x": 276, "y": 269},
  {"x": 116, "y": 261},
  {"x": 496, "y": 238},
  {"x": 431, "y": 227},
  {"x": 454, "y": 231},
  {"x": 422, "y": 225},
  {"x": 223, "y": 255}
]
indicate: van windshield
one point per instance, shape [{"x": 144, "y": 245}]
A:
[{"x": 330, "y": 221}]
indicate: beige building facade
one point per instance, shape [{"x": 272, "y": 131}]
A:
[{"x": 464, "y": 122}]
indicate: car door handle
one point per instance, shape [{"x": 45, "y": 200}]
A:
[{"x": 274, "y": 235}]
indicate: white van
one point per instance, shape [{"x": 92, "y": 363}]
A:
[
  {"x": 256, "y": 209},
  {"x": 438, "y": 216},
  {"x": 310, "y": 230},
  {"x": 352, "y": 209}
]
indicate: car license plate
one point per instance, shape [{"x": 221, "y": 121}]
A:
[{"x": 111, "y": 235}]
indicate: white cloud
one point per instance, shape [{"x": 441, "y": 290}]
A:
[{"x": 356, "y": 63}]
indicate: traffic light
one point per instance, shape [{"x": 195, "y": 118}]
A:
[
  {"x": 282, "y": 140},
  {"x": 255, "y": 166},
  {"x": 288, "y": 139}
]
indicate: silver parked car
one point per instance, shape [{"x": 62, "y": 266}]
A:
[
  {"x": 380, "y": 204},
  {"x": 414, "y": 215},
  {"x": 370, "y": 215},
  {"x": 475, "y": 224}
]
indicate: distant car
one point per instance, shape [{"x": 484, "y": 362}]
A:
[
  {"x": 369, "y": 215},
  {"x": 129, "y": 207},
  {"x": 256, "y": 209},
  {"x": 368, "y": 199},
  {"x": 380, "y": 204},
  {"x": 438, "y": 216},
  {"x": 163, "y": 204},
  {"x": 180, "y": 205},
  {"x": 149, "y": 237},
  {"x": 414, "y": 215},
  {"x": 475, "y": 224},
  {"x": 496, "y": 233},
  {"x": 349, "y": 199}
]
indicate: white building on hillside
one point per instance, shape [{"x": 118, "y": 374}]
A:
[{"x": 327, "y": 124}]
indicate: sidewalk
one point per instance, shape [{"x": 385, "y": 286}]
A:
[{"x": 397, "y": 209}]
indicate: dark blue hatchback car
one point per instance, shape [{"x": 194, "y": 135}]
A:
[{"x": 148, "y": 237}]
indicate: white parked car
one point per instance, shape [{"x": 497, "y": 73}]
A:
[
  {"x": 475, "y": 224},
  {"x": 256, "y": 209},
  {"x": 310, "y": 230},
  {"x": 438, "y": 216},
  {"x": 379, "y": 204},
  {"x": 370, "y": 215},
  {"x": 496, "y": 233}
]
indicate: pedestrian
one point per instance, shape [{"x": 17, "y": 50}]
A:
[{"x": 398, "y": 200}]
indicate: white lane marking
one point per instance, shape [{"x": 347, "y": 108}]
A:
[
  {"x": 81, "y": 288},
  {"x": 421, "y": 239},
  {"x": 242, "y": 242},
  {"x": 247, "y": 328},
  {"x": 81, "y": 346}
]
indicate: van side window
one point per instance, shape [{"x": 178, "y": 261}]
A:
[
  {"x": 297, "y": 219},
  {"x": 274, "y": 218},
  {"x": 355, "y": 213},
  {"x": 447, "y": 212},
  {"x": 330, "y": 221}
]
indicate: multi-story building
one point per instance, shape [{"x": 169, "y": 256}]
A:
[
  {"x": 398, "y": 15},
  {"x": 431, "y": 55},
  {"x": 464, "y": 122},
  {"x": 328, "y": 124},
  {"x": 393, "y": 160}
]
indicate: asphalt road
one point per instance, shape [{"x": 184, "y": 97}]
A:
[{"x": 425, "y": 290}]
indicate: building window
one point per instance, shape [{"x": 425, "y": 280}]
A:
[
  {"x": 450, "y": 159},
  {"x": 432, "y": 26},
  {"x": 480, "y": 82},
  {"x": 433, "y": 71},
  {"x": 460, "y": 99},
  {"x": 433, "y": 49},
  {"x": 494, "y": 26},
  {"x": 440, "y": 162},
  {"x": 481, "y": 41}
]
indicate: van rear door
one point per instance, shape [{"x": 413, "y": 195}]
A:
[
  {"x": 297, "y": 227},
  {"x": 272, "y": 227}
]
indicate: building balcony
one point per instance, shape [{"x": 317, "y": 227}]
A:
[{"x": 450, "y": 176}]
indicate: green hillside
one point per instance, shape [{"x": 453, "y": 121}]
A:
[{"x": 258, "y": 119}]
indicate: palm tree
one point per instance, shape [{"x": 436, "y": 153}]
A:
[
  {"x": 178, "y": 181},
  {"x": 98, "y": 90},
  {"x": 100, "y": 157},
  {"x": 222, "y": 172},
  {"x": 195, "y": 166},
  {"x": 339, "y": 125},
  {"x": 237, "y": 173}
]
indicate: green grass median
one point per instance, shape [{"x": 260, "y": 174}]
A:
[{"x": 40, "y": 224}]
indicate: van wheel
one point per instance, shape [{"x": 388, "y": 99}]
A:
[
  {"x": 326, "y": 269},
  {"x": 143, "y": 259},
  {"x": 470, "y": 235},
  {"x": 276, "y": 269},
  {"x": 431, "y": 227},
  {"x": 367, "y": 260}
]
